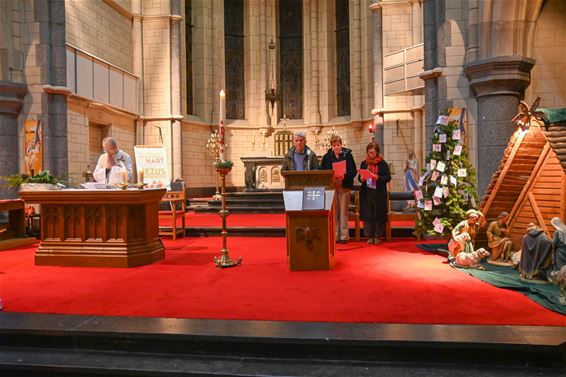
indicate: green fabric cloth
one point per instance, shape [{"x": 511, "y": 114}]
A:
[
  {"x": 546, "y": 295},
  {"x": 554, "y": 115}
]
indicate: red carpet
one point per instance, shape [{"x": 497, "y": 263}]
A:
[
  {"x": 390, "y": 283},
  {"x": 264, "y": 220}
]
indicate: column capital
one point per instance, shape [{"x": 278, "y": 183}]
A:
[
  {"x": 11, "y": 97},
  {"x": 501, "y": 75}
]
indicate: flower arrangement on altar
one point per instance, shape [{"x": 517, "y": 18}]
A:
[{"x": 45, "y": 176}]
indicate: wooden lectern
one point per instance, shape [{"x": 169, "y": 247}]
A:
[{"x": 311, "y": 235}]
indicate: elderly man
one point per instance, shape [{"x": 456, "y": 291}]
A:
[
  {"x": 111, "y": 163},
  {"x": 299, "y": 156}
]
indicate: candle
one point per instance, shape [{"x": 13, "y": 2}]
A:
[
  {"x": 221, "y": 123},
  {"x": 140, "y": 176},
  {"x": 124, "y": 176}
]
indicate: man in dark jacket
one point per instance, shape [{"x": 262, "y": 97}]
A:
[
  {"x": 343, "y": 183},
  {"x": 300, "y": 157}
]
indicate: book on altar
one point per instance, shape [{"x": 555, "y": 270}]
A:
[
  {"x": 313, "y": 198},
  {"x": 339, "y": 168},
  {"x": 365, "y": 174}
]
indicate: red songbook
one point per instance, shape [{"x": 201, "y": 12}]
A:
[
  {"x": 365, "y": 173},
  {"x": 339, "y": 168}
]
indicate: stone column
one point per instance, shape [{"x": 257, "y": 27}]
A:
[
  {"x": 377, "y": 69},
  {"x": 314, "y": 116},
  {"x": 356, "y": 85},
  {"x": 176, "y": 98},
  {"x": 498, "y": 84},
  {"x": 137, "y": 52},
  {"x": 436, "y": 39},
  {"x": 52, "y": 57},
  {"x": 11, "y": 100}
]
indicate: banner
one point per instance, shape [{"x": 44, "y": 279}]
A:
[
  {"x": 152, "y": 161},
  {"x": 33, "y": 147}
]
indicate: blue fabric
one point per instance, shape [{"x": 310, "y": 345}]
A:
[
  {"x": 410, "y": 182},
  {"x": 299, "y": 160}
]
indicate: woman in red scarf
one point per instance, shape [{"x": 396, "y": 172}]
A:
[{"x": 373, "y": 193}]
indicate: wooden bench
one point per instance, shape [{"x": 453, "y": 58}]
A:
[{"x": 13, "y": 234}]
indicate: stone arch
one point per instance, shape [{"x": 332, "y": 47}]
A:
[{"x": 507, "y": 28}]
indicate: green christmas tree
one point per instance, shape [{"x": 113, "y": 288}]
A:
[{"x": 447, "y": 187}]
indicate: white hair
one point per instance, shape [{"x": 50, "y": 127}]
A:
[
  {"x": 300, "y": 134},
  {"x": 109, "y": 140}
]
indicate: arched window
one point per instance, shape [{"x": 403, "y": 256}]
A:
[
  {"x": 291, "y": 57},
  {"x": 234, "y": 58},
  {"x": 189, "y": 55},
  {"x": 342, "y": 57}
]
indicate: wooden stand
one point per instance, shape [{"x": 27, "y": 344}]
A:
[
  {"x": 98, "y": 228},
  {"x": 311, "y": 235},
  {"x": 297, "y": 180},
  {"x": 14, "y": 235}
]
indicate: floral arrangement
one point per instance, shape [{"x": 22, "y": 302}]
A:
[
  {"x": 45, "y": 176},
  {"x": 224, "y": 164}
]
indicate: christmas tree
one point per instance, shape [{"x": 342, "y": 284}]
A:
[{"x": 447, "y": 187}]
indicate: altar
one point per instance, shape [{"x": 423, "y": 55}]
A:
[
  {"x": 263, "y": 173},
  {"x": 98, "y": 228}
]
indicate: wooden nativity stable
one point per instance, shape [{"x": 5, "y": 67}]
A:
[{"x": 530, "y": 183}]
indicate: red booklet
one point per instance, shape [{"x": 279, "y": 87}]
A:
[{"x": 339, "y": 168}]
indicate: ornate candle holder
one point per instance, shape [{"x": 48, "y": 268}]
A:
[
  {"x": 223, "y": 168},
  {"x": 213, "y": 146}
]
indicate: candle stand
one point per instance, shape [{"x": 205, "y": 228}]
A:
[{"x": 224, "y": 260}]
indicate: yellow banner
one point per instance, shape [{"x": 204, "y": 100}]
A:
[{"x": 33, "y": 147}]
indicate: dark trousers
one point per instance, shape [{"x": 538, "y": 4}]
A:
[{"x": 373, "y": 229}]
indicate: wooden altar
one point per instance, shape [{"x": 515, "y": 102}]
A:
[{"x": 98, "y": 228}]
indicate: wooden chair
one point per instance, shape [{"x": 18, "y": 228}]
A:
[
  {"x": 178, "y": 205},
  {"x": 398, "y": 215}
]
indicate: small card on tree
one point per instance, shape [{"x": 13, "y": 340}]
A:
[
  {"x": 438, "y": 192},
  {"x": 473, "y": 201},
  {"x": 443, "y": 120},
  {"x": 432, "y": 164},
  {"x": 420, "y": 204},
  {"x": 446, "y": 192},
  {"x": 435, "y": 175},
  {"x": 447, "y": 154},
  {"x": 436, "y": 147},
  {"x": 418, "y": 195},
  {"x": 421, "y": 180},
  {"x": 457, "y": 150},
  {"x": 438, "y": 228},
  {"x": 444, "y": 180},
  {"x": 339, "y": 168},
  {"x": 462, "y": 172},
  {"x": 428, "y": 205},
  {"x": 453, "y": 181},
  {"x": 456, "y": 135},
  {"x": 441, "y": 166},
  {"x": 442, "y": 138},
  {"x": 436, "y": 221},
  {"x": 436, "y": 201},
  {"x": 313, "y": 198}
]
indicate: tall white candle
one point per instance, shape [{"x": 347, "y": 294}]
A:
[{"x": 221, "y": 123}]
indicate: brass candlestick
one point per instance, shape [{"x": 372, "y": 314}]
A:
[
  {"x": 213, "y": 146},
  {"x": 224, "y": 260}
]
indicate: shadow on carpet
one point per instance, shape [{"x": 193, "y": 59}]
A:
[
  {"x": 547, "y": 295},
  {"x": 436, "y": 248}
]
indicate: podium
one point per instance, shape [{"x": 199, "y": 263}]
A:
[{"x": 311, "y": 234}]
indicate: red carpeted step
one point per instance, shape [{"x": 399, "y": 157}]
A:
[{"x": 394, "y": 282}]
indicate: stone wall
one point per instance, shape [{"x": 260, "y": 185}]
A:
[
  {"x": 549, "y": 74},
  {"x": 97, "y": 28}
]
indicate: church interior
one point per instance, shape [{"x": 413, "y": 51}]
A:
[{"x": 150, "y": 225}]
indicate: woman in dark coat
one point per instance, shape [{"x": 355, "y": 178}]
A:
[{"x": 373, "y": 193}]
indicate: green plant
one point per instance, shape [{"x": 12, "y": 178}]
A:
[
  {"x": 456, "y": 180},
  {"x": 227, "y": 164},
  {"x": 44, "y": 176}
]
